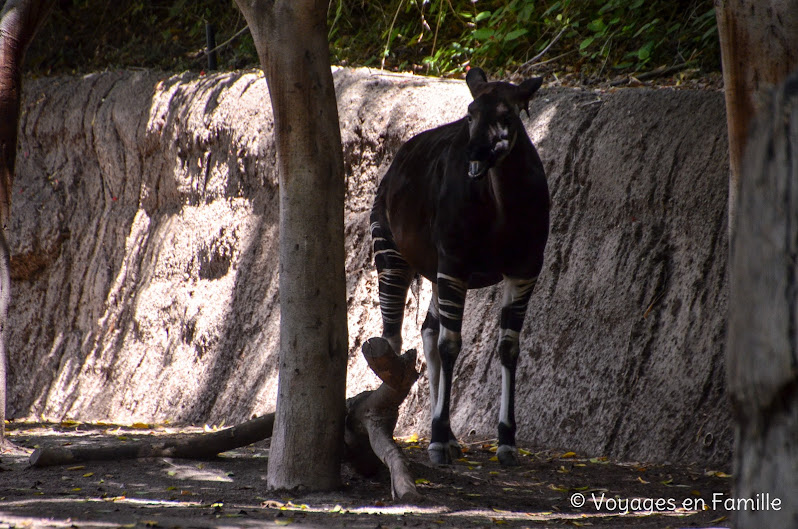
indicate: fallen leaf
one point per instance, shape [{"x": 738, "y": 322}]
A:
[
  {"x": 558, "y": 488},
  {"x": 283, "y": 521},
  {"x": 641, "y": 480},
  {"x": 140, "y": 426},
  {"x": 566, "y": 455},
  {"x": 717, "y": 474},
  {"x": 77, "y": 467},
  {"x": 422, "y": 481},
  {"x": 69, "y": 424}
]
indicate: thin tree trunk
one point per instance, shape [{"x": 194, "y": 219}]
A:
[
  {"x": 763, "y": 320},
  {"x": 291, "y": 39},
  {"x": 759, "y": 49},
  {"x": 19, "y": 21}
]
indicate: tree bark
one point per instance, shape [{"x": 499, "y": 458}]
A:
[
  {"x": 759, "y": 48},
  {"x": 19, "y": 20},
  {"x": 291, "y": 39},
  {"x": 763, "y": 319},
  {"x": 199, "y": 446}
]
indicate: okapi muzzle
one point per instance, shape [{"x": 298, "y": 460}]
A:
[{"x": 494, "y": 119}]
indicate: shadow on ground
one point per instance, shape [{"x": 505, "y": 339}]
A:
[{"x": 544, "y": 491}]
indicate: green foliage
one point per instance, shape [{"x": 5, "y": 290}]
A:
[
  {"x": 597, "y": 36},
  {"x": 440, "y": 37}
]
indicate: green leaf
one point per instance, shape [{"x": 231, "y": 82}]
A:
[
  {"x": 482, "y": 16},
  {"x": 515, "y": 34},
  {"x": 483, "y": 33},
  {"x": 585, "y": 43},
  {"x": 597, "y": 26},
  {"x": 644, "y": 53}
]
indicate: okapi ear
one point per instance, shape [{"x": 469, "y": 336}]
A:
[
  {"x": 526, "y": 90},
  {"x": 475, "y": 79}
]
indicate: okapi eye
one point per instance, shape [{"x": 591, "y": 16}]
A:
[{"x": 469, "y": 119}]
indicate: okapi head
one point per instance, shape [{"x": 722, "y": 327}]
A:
[{"x": 494, "y": 118}]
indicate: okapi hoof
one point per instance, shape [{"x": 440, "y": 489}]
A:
[
  {"x": 440, "y": 454},
  {"x": 508, "y": 456}
]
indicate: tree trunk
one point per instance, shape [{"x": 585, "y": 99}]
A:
[
  {"x": 759, "y": 49},
  {"x": 19, "y": 21},
  {"x": 763, "y": 320},
  {"x": 291, "y": 39}
]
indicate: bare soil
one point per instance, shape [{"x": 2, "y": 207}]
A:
[{"x": 230, "y": 491}]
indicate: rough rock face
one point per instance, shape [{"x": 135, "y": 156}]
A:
[{"x": 144, "y": 241}]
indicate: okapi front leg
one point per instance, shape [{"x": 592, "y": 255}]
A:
[
  {"x": 514, "y": 303},
  {"x": 451, "y": 302},
  {"x": 430, "y": 331}
]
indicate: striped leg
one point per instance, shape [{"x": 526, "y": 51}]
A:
[
  {"x": 430, "y": 331},
  {"x": 451, "y": 301},
  {"x": 514, "y": 303},
  {"x": 394, "y": 276}
]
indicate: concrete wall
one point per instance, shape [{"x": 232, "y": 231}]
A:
[{"x": 144, "y": 242}]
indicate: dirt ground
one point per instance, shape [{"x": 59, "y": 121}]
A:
[{"x": 546, "y": 490}]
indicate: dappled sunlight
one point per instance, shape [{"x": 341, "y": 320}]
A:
[{"x": 195, "y": 472}]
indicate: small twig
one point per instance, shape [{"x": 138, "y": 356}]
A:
[
  {"x": 659, "y": 72},
  {"x": 228, "y": 41},
  {"x": 528, "y": 66},
  {"x": 390, "y": 35},
  {"x": 542, "y": 53}
]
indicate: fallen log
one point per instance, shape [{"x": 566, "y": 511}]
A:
[
  {"x": 372, "y": 415},
  {"x": 197, "y": 446},
  {"x": 370, "y": 422}
]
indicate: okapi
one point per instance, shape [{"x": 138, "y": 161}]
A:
[{"x": 465, "y": 205}]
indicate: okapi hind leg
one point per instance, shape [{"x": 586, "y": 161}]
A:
[
  {"x": 514, "y": 303},
  {"x": 430, "y": 331},
  {"x": 394, "y": 276}
]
